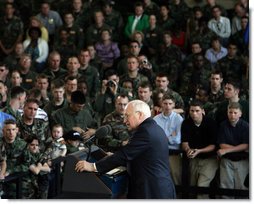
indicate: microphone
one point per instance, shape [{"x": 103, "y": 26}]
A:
[{"x": 101, "y": 132}]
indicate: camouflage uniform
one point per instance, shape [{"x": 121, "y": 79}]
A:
[
  {"x": 93, "y": 35},
  {"x": 153, "y": 38},
  {"x": 231, "y": 68},
  {"x": 76, "y": 36},
  {"x": 9, "y": 111},
  {"x": 13, "y": 154},
  {"x": 51, "y": 107},
  {"x": 180, "y": 13},
  {"x": 204, "y": 37},
  {"x": 40, "y": 129},
  {"x": 115, "y": 21},
  {"x": 69, "y": 119},
  {"x": 216, "y": 98},
  {"x": 55, "y": 75},
  {"x": 135, "y": 81},
  {"x": 119, "y": 132},
  {"x": 191, "y": 79},
  {"x": 34, "y": 186},
  {"x": 153, "y": 8},
  {"x": 166, "y": 25},
  {"x": 10, "y": 31},
  {"x": 54, "y": 149},
  {"x": 92, "y": 77}
]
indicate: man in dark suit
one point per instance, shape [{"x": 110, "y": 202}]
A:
[{"x": 146, "y": 156}]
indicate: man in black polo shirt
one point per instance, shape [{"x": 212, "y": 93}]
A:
[{"x": 199, "y": 134}]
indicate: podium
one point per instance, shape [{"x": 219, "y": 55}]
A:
[{"x": 89, "y": 185}]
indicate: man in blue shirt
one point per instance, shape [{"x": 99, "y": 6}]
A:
[{"x": 171, "y": 122}]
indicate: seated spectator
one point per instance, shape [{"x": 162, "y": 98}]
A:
[
  {"x": 145, "y": 93},
  {"x": 152, "y": 35},
  {"x": 137, "y": 21},
  {"x": 3, "y": 95},
  {"x": 220, "y": 25},
  {"x": 216, "y": 52},
  {"x": 35, "y": 22},
  {"x": 92, "y": 34},
  {"x": 232, "y": 94},
  {"x": 4, "y": 74},
  {"x": 107, "y": 50},
  {"x": 25, "y": 67},
  {"x": 90, "y": 73},
  {"x": 58, "y": 100},
  {"x": 53, "y": 69},
  {"x": 165, "y": 20},
  {"x": 120, "y": 134},
  {"x": 232, "y": 65},
  {"x": 139, "y": 37},
  {"x": 31, "y": 125},
  {"x": 16, "y": 79},
  {"x": 75, "y": 116},
  {"x": 11, "y": 143},
  {"x": 12, "y": 60},
  {"x": 37, "y": 48},
  {"x": 35, "y": 185},
  {"x": 157, "y": 101},
  {"x": 73, "y": 141},
  {"x": 133, "y": 74},
  {"x": 16, "y": 101},
  {"x": 65, "y": 47}
]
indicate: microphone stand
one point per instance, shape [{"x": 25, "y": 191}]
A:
[{"x": 89, "y": 143}]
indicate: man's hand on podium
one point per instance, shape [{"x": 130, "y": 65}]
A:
[{"x": 85, "y": 166}]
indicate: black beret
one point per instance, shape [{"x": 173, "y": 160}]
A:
[{"x": 73, "y": 135}]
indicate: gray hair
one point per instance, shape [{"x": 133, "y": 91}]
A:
[{"x": 141, "y": 106}]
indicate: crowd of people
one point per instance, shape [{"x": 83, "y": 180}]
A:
[{"x": 69, "y": 67}]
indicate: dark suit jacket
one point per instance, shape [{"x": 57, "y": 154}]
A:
[{"x": 146, "y": 158}]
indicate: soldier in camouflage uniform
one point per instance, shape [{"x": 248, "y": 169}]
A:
[
  {"x": 114, "y": 19},
  {"x": 105, "y": 99},
  {"x": 35, "y": 184},
  {"x": 232, "y": 65},
  {"x": 90, "y": 73},
  {"x": 75, "y": 33},
  {"x": 13, "y": 147},
  {"x": 165, "y": 21},
  {"x": 93, "y": 32},
  {"x": 75, "y": 116},
  {"x": 17, "y": 100},
  {"x": 11, "y": 31},
  {"x": 145, "y": 92},
  {"x": 133, "y": 74},
  {"x": 169, "y": 59},
  {"x": 216, "y": 93},
  {"x": 192, "y": 78},
  {"x": 119, "y": 135},
  {"x": 180, "y": 12},
  {"x": 162, "y": 82},
  {"x": 29, "y": 125}
]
